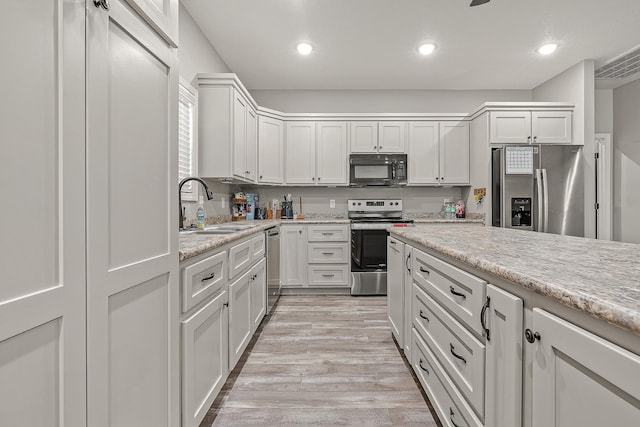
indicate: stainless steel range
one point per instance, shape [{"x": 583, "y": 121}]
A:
[{"x": 369, "y": 222}]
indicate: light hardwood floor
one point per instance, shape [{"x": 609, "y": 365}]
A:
[{"x": 322, "y": 360}]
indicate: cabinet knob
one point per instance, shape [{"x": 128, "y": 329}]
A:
[
  {"x": 535, "y": 139},
  {"x": 442, "y": 178},
  {"x": 318, "y": 178},
  {"x": 101, "y": 3},
  {"x": 379, "y": 147},
  {"x": 529, "y": 139},
  {"x": 260, "y": 176},
  {"x": 313, "y": 179},
  {"x": 437, "y": 178},
  {"x": 531, "y": 336}
]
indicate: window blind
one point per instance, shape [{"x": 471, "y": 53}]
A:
[{"x": 187, "y": 110}]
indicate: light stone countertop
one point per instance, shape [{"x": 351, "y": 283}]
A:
[{"x": 598, "y": 277}]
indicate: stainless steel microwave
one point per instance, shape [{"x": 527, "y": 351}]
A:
[{"x": 381, "y": 170}]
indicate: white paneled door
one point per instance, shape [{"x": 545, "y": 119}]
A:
[
  {"x": 42, "y": 250},
  {"x": 132, "y": 248}
]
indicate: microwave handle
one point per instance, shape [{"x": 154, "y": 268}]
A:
[{"x": 393, "y": 170}]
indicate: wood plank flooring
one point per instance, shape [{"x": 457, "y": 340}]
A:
[{"x": 322, "y": 360}]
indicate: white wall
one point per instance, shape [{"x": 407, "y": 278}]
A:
[
  {"x": 604, "y": 111},
  {"x": 195, "y": 53},
  {"x": 577, "y": 86},
  {"x": 626, "y": 166},
  {"x": 316, "y": 199},
  {"x": 382, "y": 101}
]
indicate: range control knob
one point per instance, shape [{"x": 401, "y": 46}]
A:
[
  {"x": 359, "y": 203},
  {"x": 396, "y": 203},
  {"x": 353, "y": 203}
]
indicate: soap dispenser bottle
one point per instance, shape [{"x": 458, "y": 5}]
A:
[{"x": 200, "y": 212}]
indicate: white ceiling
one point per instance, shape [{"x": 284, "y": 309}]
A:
[{"x": 371, "y": 44}]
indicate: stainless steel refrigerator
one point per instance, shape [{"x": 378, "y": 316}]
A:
[{"x": 539, "y": 188}]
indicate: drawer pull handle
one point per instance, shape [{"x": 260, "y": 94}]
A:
[
  {"x": 458, "y": 294},
  {"x": 406, "y": 263},
  {"x": 422, "y": 367},
  {"x": 327, "y": 234},
  {"x": 424, "y": 317},
  {"x": 483, "y": 321},
  {"x": 209, "y": 277},
  {"x": 424, "y": 271},
  {"x": 457, "y": 356},
  {"x": 328, "y": 275},
  {"x": 327, "y": 253},
  {"x": 451, "y": 418}
]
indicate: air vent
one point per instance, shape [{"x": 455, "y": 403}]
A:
[{"x": 625, "y": 66}]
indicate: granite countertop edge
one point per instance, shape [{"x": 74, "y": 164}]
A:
[{"x": 612, "y": 313}]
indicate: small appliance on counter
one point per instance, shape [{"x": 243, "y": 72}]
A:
[{"x": 287, "y": 207}]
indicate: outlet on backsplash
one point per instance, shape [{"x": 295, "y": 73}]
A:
[
  {"x": 332, "y": 203},
  {"x": 223, "y": 203}
]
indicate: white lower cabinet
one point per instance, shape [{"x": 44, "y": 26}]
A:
[
  {"x": 240, "y": 321},
  {"x": 293, "y": 256},
  {"x": 580, "y": 379},
  {"x": 395, "y": 288},
  {"x": 204, "y": 358},
  {"x": 258, "y": 294}
]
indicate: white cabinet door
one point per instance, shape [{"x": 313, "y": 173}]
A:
[
  {"x": 42, "y": 285},
  {"x": 162, "y": 15},
  {"x": 510, "y": 127},
  {"x": 133, "y": 301},
  {"x": 301, "y": 153},
  {"x": 252, "y": 145},
  {"x": 270, "y": 151},
  {"x": 423, "y": 157},
  {"x": 239, "y": 135},
  {"x": 258, "y": 294},
  {"x": 504, "y": 358},
  {"x": 551, "y": 127},
  {"x": 293, "y": 256},
  {"x": 331, "y": 153},
  {"x": 240, "y": 321},
  {"x": 408, "y": 315},
  {"x": 205, "y": 352},
  {"x": 580, "y": 379},
  {"x": 454, "y": 153},
  {"x": 363, "y": 137},
  {"x": 391, "y": 136},
  {"x": 395, "y": 288}
]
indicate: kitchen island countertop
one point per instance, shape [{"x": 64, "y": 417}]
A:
[{"x": 601, "y": 278}]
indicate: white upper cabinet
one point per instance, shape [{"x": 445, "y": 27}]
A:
[
  {"x": 161, "y": 15},
  {"x": 300, "y": 153},
  {"x": 377, "y": 137},
  {"x": 331, "y": 153},
  {"x": 364, "y": 137},
  {"x": 227, "y": 132},
  {"x": 530, "y": 127},
  {"x": 438, "y": 153},
  {"x": 316, "y": 153},
  {"x": 270, "y": 151}
]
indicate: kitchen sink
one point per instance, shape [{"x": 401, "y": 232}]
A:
[{"x": 219, "y": 229}]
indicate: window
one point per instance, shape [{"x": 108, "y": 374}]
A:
[{"x": 188, "y": 138}]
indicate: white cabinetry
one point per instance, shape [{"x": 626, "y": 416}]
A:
[
  {"x": 270, "y": 151},
  {"x": 131, "y": 118},
  {"x": 377, "y": 137},
  {"x": 438, "y": 153},
  {"x": 530, "y": 127},
  {"x": 293, "y": 255},
  {"x": 226, "y": 131},
  {"x": 580, "y": 379},
  {"x": 204, "y": 358},
  {"x": 258, "y": 294},
  {"x": 240, "y": 322},
  {"x": 395, "y": 288},
  {"x": 162, "y": 16},
  {"x": 316, "y": 153},
  {"x": 43, "y": 278}
]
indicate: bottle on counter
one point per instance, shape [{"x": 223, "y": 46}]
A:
[
  {"x": 460, "y": 209},
  {"x": 200, "y": 212}
]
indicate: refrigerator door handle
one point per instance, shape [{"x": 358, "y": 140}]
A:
[
  {"x": 539, "y": 197},
  {"x": 545, "y": 185}
]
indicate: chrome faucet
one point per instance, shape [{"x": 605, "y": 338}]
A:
[{"x": 184, "y": 181}]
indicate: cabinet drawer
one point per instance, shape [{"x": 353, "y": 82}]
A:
[
  {"x": 331, "y": 253},
  {"x": 450, "y": 406},
  {"x": 203, "y": 279},
  {"x": 461, "y": 355},
  {"x": 240, "y": 258},
  {"x": 328, "y": 233},
  {"x": 257, "y": 247},
  {"x": 328, "y": 275},
  {"x": 460, "y": 292}
]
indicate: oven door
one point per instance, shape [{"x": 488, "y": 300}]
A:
[{"x": 368, "y": 250}]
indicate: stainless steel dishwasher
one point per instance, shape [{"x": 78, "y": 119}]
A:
[{"x": 273, "y": 266}]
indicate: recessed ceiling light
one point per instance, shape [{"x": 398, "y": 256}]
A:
[
  {"x": 304, "y": 48},
  {"x": 427, "y": 48},
  {"x": 547, "y": 49}
]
